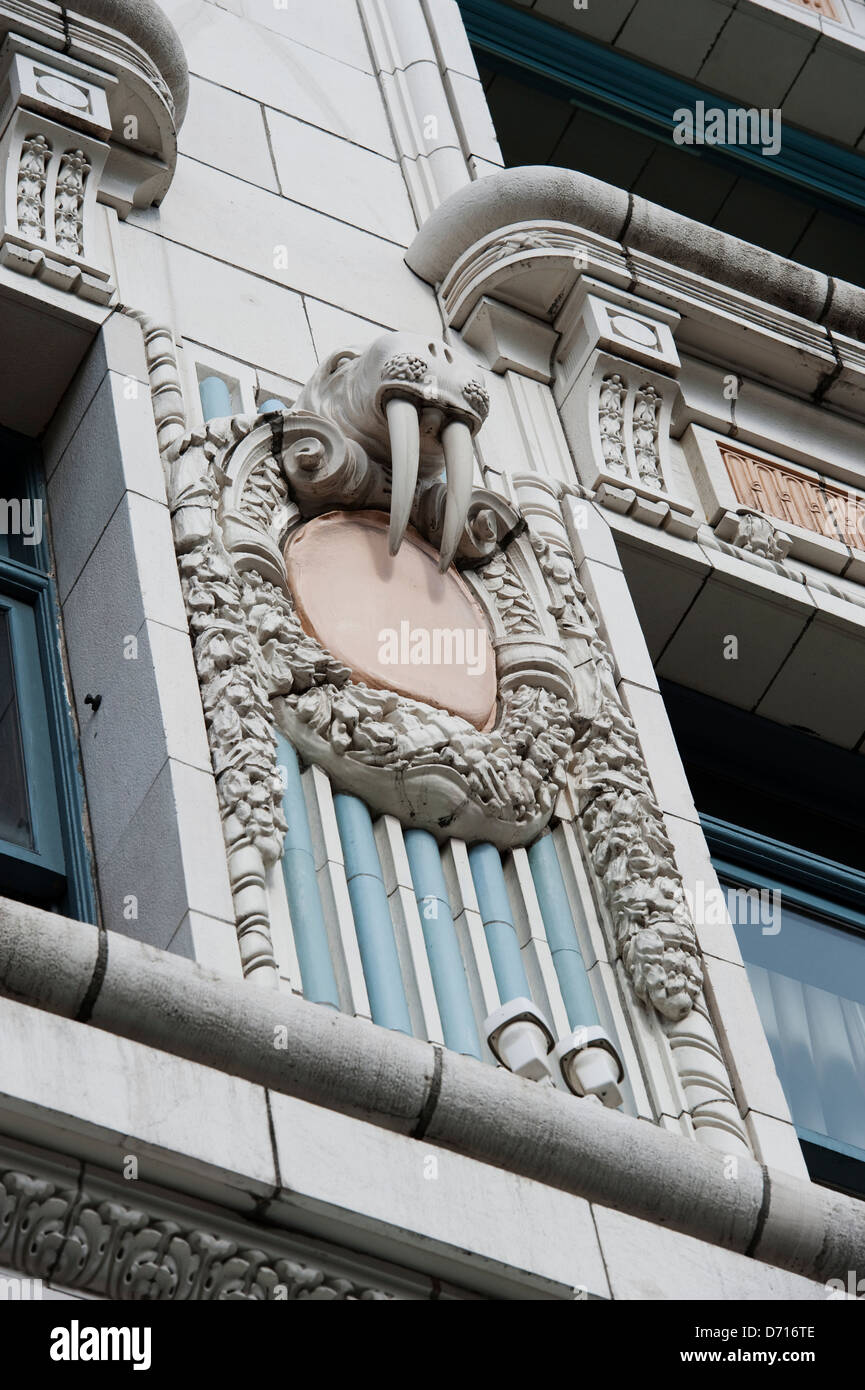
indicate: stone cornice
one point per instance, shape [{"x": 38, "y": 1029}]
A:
[
  {"x": 402, "y": 1084},
  {"x": 537, "y": 194},
  {"x": 141, "y": 21},
  {"x": 147, "y": 25}
]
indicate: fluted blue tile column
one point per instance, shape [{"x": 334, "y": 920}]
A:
[
  {"x": 443, "y": 949},
  {"x": 485, "y": 862},
  {"x": 372, "y": 917},
  {"x": 561, "y": 933},
  {"x": 301, "y": 887}
]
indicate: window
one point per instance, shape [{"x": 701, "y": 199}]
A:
[
  {"x": 805, "y": 956},
  {"x": 784, "y": 817},
  {"x": 43, "y": 857}
]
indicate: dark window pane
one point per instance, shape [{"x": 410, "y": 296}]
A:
[
  {"x": 544, "y": 120},
  {"x": 14, "y": 803}
]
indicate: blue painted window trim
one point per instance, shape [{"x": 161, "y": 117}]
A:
[
  {"x": 833, "y": 891},
  {"x": 599, "y": 79},
  {"x": 824, "y": 1141},
  {"x": 60, "y": 870}
]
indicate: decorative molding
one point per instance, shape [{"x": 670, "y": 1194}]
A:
[
  {"x": 508, "y": 265},
  {"x": 134, "y": 36},
  {"x": 611, "y": 424},
  {"x": 236, "y": 490},
  {"x": 755, "y": 534},
  {"x": 598, "y": 315},
  {"x": 803, "y": 499},
  {"x": 705, "y": 1080},
  {"x": 730, "y": 524},
  {"x": 621, "y": 822},
  {"x": 219, "y": 603},
  {"x": 48, "y": 219},
  {"x": 541, "y": 268},
  {"x": 166, "y": 391},
  {"x": 527, "y": 237},
  {"x": 112, "y": 1250},
  {"x": 32, "y": 178},
  {"x": 616, "y": 416},
  {"x": 52, "y": 85},
  {"x": 825, "y": 7},
  {"x": 510, "y": 598},
  {"x": 69, "y": 202},
  {"x": 645, "y": 431},
  {"x": 94, "y": 92}
]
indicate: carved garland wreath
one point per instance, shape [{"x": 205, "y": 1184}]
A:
[{"x": 258, "y": 667}]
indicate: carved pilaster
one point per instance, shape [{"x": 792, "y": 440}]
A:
[
  {"x": 237, "y": 710},
  {"x": 225, "y": 611},
  {"x": 626, "y": 847}
]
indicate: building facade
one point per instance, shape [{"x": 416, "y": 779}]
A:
[{"x": 432, "y": 626}]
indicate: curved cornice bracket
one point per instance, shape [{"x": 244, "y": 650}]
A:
[
  {"x": 149, "y": 27},
  {"x": 632, "y": 235},
  {"x": 110, "y": 73}
]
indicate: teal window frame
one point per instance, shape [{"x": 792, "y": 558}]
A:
[
  {"x": 820, "y": 888},
  {"x": 599, "y": 79},
  {"x": 833, "y": 891},
  {"x": 57, "y": 872}
]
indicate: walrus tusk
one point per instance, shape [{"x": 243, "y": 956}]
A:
[
  {"x": 404, "y": 427},
  {"x": 456, "y": 439}
]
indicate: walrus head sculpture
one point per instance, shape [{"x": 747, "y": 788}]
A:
[{"x": 414, "y": 405}]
